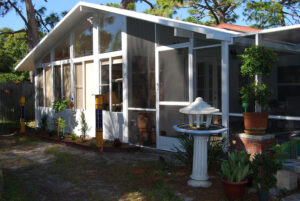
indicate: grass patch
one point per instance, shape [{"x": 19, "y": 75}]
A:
[
  {"x": 26, "y": 139},
  {"x": 16, "y": 190}
]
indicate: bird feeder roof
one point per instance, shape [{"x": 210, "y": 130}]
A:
[{"x": 199, "y": 106}]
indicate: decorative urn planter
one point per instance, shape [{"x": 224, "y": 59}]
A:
[
  {"x": 255, "y": 123},
  {"x": 201, "y": 129}
]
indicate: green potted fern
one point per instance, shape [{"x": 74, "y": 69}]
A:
[
  {"x": 234, "y": 172},
  {"x": 256, "y": 62}
]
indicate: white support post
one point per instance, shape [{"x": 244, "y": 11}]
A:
[
  {"x": 157, "y": 90},
  {"x": 61, "y": 80},
  {"x": 36, "y": 98},
  {"x": 125, "y": 80},
  {"x": 52, "y": 76},
  {"x": 73, "y": 93},
  {"x": 191, "y": 71},
  {"x": 225, "y": 92},
  {"x": 83, "y": 70},
  {"x": 44, "y": 88},
  {"x": 258, "y": 78},
  {"x": 110, "y": 84},
  {"x": 95, "y": 53}
]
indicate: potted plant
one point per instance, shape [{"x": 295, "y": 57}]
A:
[
  {"x": 234, "y": 172},
  {"x": 264, "y": 167},
  {"x": 256, "y": 61}
]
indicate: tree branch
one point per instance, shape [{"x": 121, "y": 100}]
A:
[
  {"x": 13, "y": 32},
  {"x": 19, "y": 12},
  {"x": 150, "y": 4},
  {"x": 41, "y": 20}
]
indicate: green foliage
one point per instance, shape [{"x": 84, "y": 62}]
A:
[
  {"x": 61, "y": 125},
  {"x": 264, "y": 167},
  {"x": 252, "y": 92},
  {"x": 61, "y": 104},
  {"x": 213, "y": 12},
  {"x": 74, "y": 137},
  {"x": 215, "y": 153},
  {"x": 164, "y": 8},
  {"x": 184, "y": 154},
  {"x": 12, "y": 50},
  {"x": 266, "y": 14},
  {"x": 130, "y": 6},
  {"x": 84, "y": 126},
  {"x": 257, "y": 60},
  {"x": 44, "y": 122},
  {"x": 237, "y": 166},
  {"x": 93, "y": 144}
]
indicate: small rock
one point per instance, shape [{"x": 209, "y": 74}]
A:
[
  {"x": 274, "y": 192},
  {"x": 252, "y": 190}
]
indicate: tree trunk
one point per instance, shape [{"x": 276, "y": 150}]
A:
[
  {"x": 124, "y": 3},
  {"x": 32, "y": 29}
]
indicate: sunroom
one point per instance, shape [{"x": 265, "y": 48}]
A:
[{"x": 146, "y": 67}]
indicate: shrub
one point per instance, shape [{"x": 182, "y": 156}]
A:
[
  {"x": 74, "y": 137},
  {"x": 236, "y": 167},
  {"x": 84, "y": 126},
  {"x": 264, "y": 167},
  {"x": 61, "y": 104}
]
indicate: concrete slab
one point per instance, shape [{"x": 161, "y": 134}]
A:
[{"x": 293, "y": 197}]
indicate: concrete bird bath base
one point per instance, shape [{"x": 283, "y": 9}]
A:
[
  {"x": 199, "y": 176},
  {"x": 201, "y": 129}
]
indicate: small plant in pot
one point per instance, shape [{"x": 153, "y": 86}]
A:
[
  {"x": 256, "y": 62},
  {"x": 264, "y": 167},
  {"x": 234, "y": 174}
]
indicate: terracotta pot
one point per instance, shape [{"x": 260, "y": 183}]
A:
[
  {"x": 144, "y": 125},
  {"x": 255, "y": 123},
  {"x": 234, "y": 190}
]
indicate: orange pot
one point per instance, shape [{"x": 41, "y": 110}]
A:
[{"x": 255, "y": 123}]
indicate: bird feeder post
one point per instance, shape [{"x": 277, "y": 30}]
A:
[
  {"x": 22, "y": 114},
  {"x": 99, "y": 121}
]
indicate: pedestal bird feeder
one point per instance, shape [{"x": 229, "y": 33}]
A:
[{"x": 200, "y": 116}]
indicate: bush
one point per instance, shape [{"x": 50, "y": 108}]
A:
[
  {"x": 61, "y": 104},
  {"x": 84, "y": 126},
  {"x": 74, "y": 137},
  {"x": 236, "y": 167},
  {"x": 215, "y": 153},
  {"x": 264, "y": 167}
]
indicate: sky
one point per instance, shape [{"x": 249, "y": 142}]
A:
[{"x": 13, "y": 21}]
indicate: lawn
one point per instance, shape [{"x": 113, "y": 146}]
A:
[{"x": 35, "y": 170}]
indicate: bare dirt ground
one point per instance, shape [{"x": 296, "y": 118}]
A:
[{"x": 39, "y": 171}]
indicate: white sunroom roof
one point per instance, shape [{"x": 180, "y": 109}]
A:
[{"x": 83, "y": 9}]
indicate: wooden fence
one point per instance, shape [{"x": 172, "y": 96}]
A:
[{"x": 10, "y": 94}]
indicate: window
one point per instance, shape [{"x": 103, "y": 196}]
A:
[
  {"x": 67, "y": 81},
  {"x": 79, "y": 86},
  {"x": 105, "y": 83},
  {"x": 173, "y": 75},
  {"x": 40, "y": 90},
  {"x": 63, "y": 50},
  {"x": 48, "y": 87},
  {"x": 110, "y": 33},
  {"x": 141, "y": 63},
  {"x": 83, "y": 40},
  {"x": 57, "y": 81},
  {"x": 207, "y": 75},
  {"x": 117, "y": 83},
  {"x": 112, "y": 89}
]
